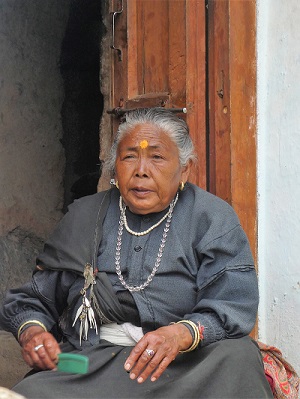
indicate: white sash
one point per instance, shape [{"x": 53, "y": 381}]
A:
[{"x": 125, "y": 334}]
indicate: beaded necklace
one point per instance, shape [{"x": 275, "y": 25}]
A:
[
  {"x": 168, "y": 215},
  {"x": 142, "y": 233}
]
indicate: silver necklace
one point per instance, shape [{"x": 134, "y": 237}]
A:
[
  {"x": 142, "y": 233},
  {"x": 133, "y": 288}
]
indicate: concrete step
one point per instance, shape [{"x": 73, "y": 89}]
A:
[{"x": 12, "y": 366}]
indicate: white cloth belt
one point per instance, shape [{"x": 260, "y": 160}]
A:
[{"x": 125, "y": 334}]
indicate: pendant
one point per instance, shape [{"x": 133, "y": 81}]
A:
[{"x": 85, "y": 313}]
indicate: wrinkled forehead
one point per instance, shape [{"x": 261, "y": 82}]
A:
[{"x": 144, "y": 135}]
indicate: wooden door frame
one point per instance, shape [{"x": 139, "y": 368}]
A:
[{"x": 232, "y": 108}]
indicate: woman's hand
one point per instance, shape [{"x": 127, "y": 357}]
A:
[
  {"x": 39, "y": 348},
  {"x": 156, "y": 350}
]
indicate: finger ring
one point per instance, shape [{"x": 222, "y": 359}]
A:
[
  {"x": 150, "y": 352},
  {"x": 36, "y": 348}
]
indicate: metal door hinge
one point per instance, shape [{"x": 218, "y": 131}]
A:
[{"x": 114, "y": 15}]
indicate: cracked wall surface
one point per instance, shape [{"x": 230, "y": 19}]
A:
[
  {"x": 50, "y": 107},
  {"x": 31, "y": 154},
  {"x": 32, "y": 158}
]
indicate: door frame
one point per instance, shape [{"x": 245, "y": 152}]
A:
[
  {"x": 232, "y": 108},
  {"x": 232, "y": 117}
]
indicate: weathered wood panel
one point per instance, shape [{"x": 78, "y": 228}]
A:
[{"x": 196, "y": 85}]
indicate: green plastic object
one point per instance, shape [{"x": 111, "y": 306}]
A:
[{"x": 72, "y": 363}]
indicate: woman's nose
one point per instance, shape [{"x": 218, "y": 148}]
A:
[{"x": 141, "y": 168}]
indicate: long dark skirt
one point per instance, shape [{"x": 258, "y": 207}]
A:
[{"x": 226, "y": 369}]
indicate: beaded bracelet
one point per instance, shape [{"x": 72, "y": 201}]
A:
[
  {"x": 197, "y": 337},
  {"x": 33, "y": 322}
]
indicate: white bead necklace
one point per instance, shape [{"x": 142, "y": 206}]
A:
[
  {"x": 143, "y": 233},
  {"x": 133, "y": 288}
]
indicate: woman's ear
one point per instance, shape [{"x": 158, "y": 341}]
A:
[{"x": 185, "y": 171}]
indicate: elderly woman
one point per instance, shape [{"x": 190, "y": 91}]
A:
[{"x": 153, "y": 280}]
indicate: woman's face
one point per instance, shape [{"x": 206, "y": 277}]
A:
[{"x": 148, "y": 169}]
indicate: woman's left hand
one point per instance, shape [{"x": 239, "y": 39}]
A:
[{"x": 156, "y": 350}]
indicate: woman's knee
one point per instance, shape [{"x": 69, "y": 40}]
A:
[{"x": 242, "y": 352}]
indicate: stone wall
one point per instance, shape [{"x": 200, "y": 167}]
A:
[
  {"x": 31, "y": 154},
  {"x": 50, "y": 108},
  {"x": 278, "y": 99},
  {"x": 32, "y": 157}
]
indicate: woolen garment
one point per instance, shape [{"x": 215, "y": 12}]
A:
[
  {"x": 227, "y": 369},
  {"x": 206, "y": 274}
]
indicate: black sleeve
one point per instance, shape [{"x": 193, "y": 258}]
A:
[{"x": 43, "y": 299}]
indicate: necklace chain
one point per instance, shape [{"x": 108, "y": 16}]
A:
[
  {"x": 133, "y": 288},
  {"x": 143, "y": 233}
]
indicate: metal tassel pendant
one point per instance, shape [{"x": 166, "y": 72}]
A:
[
  {"x": 85, "y": 313},
  {"x": 91, "y": 317}
]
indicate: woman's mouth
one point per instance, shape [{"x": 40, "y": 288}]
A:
[{"x": 141, "y": 191}]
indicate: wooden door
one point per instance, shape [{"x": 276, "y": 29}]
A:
[
  {"x": 159, "y": 60},
  {"x": 198, "y": 55}
]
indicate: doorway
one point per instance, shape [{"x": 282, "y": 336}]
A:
[{"x": 199, "y": 55}]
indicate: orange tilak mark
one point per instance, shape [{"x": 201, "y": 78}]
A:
[{"x": 144, "y": 144}]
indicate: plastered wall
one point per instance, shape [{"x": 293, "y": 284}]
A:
[
  {"x": 278, "y": 57},
  {"x": 31, "y": 154}
]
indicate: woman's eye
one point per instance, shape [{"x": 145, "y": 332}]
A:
[
  {"x": 128, "y": 156},
  {"x": 157, "y": 156}
]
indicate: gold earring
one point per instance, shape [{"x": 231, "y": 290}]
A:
[
  {"x": 181, "y": 186},
  {"x": 117, "y": 184}
]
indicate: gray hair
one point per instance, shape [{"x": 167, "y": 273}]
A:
[{"x": 167, "y": 121}]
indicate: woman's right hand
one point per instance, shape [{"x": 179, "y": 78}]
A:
[
  {"x": 39, "y": 348},
  {"x": 163, "y": 346}
]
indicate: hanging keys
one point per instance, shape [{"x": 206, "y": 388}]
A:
[{"x": 85, "y": 313}]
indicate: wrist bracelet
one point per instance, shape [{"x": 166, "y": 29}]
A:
[
  {"x": 33, "y": 322},
  {"x": 197, "y": 337}
]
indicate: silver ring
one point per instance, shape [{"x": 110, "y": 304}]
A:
[
  {"x": 36, "y": 348},
  {"x": 150, "y": 352}
]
